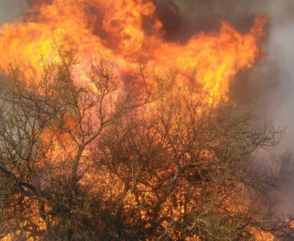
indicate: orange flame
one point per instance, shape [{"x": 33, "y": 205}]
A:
[{"x": 116, "y": 29}]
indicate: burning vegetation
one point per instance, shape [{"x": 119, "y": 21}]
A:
[{"x": 111, "y": 131}]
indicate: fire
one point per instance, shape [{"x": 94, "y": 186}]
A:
[
  {"x": 116, "y": 29},
  {"x": 126, "y": 32},
  {"x": 264, "y": 236}
]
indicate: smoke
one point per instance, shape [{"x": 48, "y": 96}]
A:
[
  {"x": 38, "y": 2},
  {"x": 197, "y": 16},
  {"x": 280, "y": 57},
  {"x": 272, "y": 78},
  {"x": 11, "y": 9}
]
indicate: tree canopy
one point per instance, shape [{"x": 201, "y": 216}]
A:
[{"x": 150, "y": 159}]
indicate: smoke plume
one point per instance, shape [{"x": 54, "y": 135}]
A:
[
  {"x": 10, "y": 9},
  {"x": 272, "y": 78}
]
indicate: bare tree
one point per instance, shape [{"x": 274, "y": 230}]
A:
[{"x": 99, "y": 159}]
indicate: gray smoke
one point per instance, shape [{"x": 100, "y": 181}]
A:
[
  {"x": 11, "y": 9},
  {"x": 272, "y": 78}
]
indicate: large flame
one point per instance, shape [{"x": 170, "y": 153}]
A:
[{"x": 129, "y": 32}]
